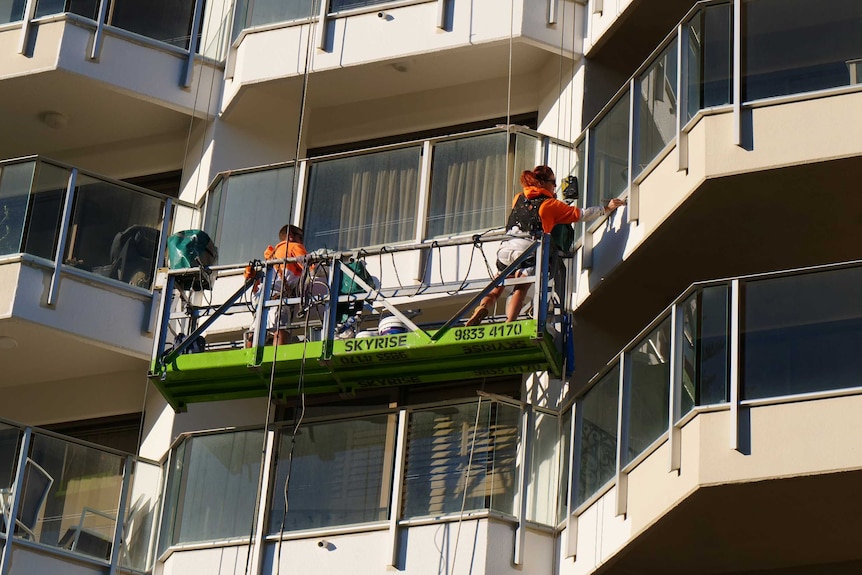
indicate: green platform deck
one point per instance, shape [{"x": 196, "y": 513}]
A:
[{"x": 383, "y": 361}]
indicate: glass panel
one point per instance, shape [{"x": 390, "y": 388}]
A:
[
  {"x": 439, "y": 444},
  {"x": 649, "y": 400},
  {"x": 86, "y": 8},
  {"x": 337, "y": 5},
  {"x": 340, "y": 473},
  {"x": 10, "y": 443},
  {"x": 115, "y": 232},
  {"x": 167, "y": 21},
  {"x": 363, "y": 201},
  {"x": 582, "y": 194},
  {"x": 688, "y": 349},
  {"x": 11, "y": 10},
  {"x": 212, "y": 488},
  {"x": 255, "y": 206},
  {"x": 468, "y": 185},
  {"x": 79, "y": 512},
  {"x": 140, "y": 518},
  {"x": 712, "y": 347},
  {"x": 610, "y": 154},
  {"x": 271, "y": 11},
  {"x": 598, "y": 430},
  {"x": 789, "y": 46},
  {"x": 658, "y": 103},
  {"x": 15, "y": 181},
  {"x": 710, "y": 63},
  {"x": 544, "y": 469},
  {"x": 45, "y": 209},
  {"x": 565, "y": 447},
  {"x": 802, "y": 334}
]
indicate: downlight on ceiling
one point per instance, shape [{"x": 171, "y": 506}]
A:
[
  {"x": 7, "y": 342},
  {"x": 54, "y": 120}
]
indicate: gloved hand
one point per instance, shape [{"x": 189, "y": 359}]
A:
[{"x": 268, "y": 252}]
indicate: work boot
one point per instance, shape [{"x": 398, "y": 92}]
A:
[{"x": 480, "y": 313}]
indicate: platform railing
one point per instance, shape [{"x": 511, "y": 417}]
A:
[{"x": 336, "y": 299}]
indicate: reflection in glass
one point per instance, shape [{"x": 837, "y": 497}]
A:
[
  {"x": 710, "y": 65},
  {"x": 80, "y": 511},
  {"x": 610, "y": 157},
  {"x": 11, "y": 10},
  {"x": 114, "y": 232},
  {"x": 340, "y": 474},
  {"x": 439, "y": 445},
  {"x": 253, "y": 207},
  {"x": 712, "y": 347},
  {"x": 775, "y": 60},
  {"x": 10, "y": 443},
  {"x": 142, "y": 509},
  {"x": 802, "y": 334},
  {"x": 212, "y": 488},
  {"x": 365, "y": 200},
  {"x": 270, "y": 12},
  {"x": 15, "y": 181},
  {"x": 658, "y": 103},
  {"x": 649, "y": 399},
  {"x": 543, "y": 477},
  {"x": 599, "y": 409},
  {"x": 565, "y": 447}
]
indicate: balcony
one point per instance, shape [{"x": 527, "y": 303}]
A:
[
  {"x": 78, "y": 254},
  {"x": 717, "y": 160},
  {"x": 74, "y": 503},
  {"x": 82, "y": 63},
  {"x": 277, "y": 42},
  {"x": 728, "y": 418}
]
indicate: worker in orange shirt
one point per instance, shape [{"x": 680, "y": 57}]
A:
[
  {"x": 535, "y": 210},
  {"x": 286, "y": 277}
]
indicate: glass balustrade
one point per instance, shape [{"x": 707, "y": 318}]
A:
[
  {"x": 113, "y": 230},
  {"x": 648, "y": 390},
  {"x": 799, "y": 335},
  {"x": 543, "y": 478},
  {"x": 70, "y": 495}
]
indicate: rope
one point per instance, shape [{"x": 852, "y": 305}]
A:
[{"x": 466, "y": 480}]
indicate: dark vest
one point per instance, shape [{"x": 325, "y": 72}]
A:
[{"x": 525, "y": 215}]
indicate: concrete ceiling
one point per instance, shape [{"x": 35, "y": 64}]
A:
[
  {"x": 42, "y": 354},
  {"x": 96, "y": 117},
  {"x": 798, "y": 526}
]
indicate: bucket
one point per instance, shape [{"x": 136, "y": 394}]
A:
[
  {"x": 366, "y": 333},
  {"x": 391, "y": 325}
]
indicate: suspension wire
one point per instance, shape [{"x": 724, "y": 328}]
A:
[
  {"x": 467, "y": 480},
  {"x": 297, "y": 423},
  {"x": 291, "y": 199}
]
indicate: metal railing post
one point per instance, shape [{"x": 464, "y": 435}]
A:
[
  {"x": 17, "y": 487},
  {"x": 99, "y": 34},
  {"x": 119, "y": 530},
  {"x": 29, "y": 13},
  {"x": 186, "y": 81},
  {"x": 65, "y": 222}
]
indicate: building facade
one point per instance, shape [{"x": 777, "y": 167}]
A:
[{"x": 678, "y": 395}]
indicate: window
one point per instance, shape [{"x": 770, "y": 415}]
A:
[
  {"x": 339, "y": 473},
  {"x": 361, "y": 201},
  {"x": 212, "y": 488},
  {"x": 245, "y": 211},
  {"x": 439, "y": 466}
]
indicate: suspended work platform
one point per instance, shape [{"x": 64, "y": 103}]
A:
[{"x": 323, "y": 356}]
